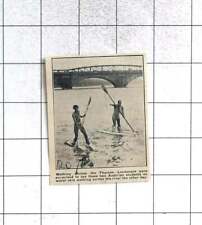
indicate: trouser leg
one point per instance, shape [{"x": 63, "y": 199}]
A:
[
  {"x": 114, "y": 121},
  {"x": 76, "y": 133},
  {"x": 119, "y": 125},
  {"x": 83, "y": 131},
  {"x": 118, "y": 122}
]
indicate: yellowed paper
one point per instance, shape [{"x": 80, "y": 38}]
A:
[{"x": 97, "y": 119}]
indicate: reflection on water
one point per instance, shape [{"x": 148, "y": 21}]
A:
[{"x": 110, "y": 150}]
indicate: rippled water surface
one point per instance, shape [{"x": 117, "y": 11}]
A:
[{"x": 110, "y": 150}]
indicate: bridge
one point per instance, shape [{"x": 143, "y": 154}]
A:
[{"x": 118, "y": 76}]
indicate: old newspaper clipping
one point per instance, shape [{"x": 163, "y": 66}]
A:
[{"x": 97, "y": 119}]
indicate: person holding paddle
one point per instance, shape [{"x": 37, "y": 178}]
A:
[
  {"x": 78, "y": 125},
  {"x": 118, "y": 109}
]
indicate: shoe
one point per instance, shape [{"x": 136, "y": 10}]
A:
[{"x": 90, "y": 147}]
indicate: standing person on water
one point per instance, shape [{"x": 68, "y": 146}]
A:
[
  {"x": 79, "y": 126},
  {"x": 118, "y": 109}
]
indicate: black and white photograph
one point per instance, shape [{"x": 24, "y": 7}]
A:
[{"x": 99, "y": 118}]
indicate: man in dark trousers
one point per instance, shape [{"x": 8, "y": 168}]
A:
[
  {"x": 78, "y": 126},
  {"x": 118, "y": 109}
]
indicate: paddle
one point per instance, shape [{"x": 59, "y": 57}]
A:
[
  {"x": 106, "y": 91},
  {"x": 85, "y": 112},
  {"x": 82, "y": 123}
]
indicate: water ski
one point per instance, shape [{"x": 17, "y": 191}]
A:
[
  {"x": 90, "y": 148},
  {"x": 79, "y": 148},
  {"x": 114, "y": 133},
  {"x": 114, "y": 145},
  {"x": 69, "y": 144},
  {"x": 76, "y": 148}
]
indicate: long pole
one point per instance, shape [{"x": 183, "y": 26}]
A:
[
  {"x": 106, "y": 91},
  {"x": 82, "y": 123},
  {"x": 85, "y": 112}
]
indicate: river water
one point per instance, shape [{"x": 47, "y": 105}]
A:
[{"x": 110, "y": 150}]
